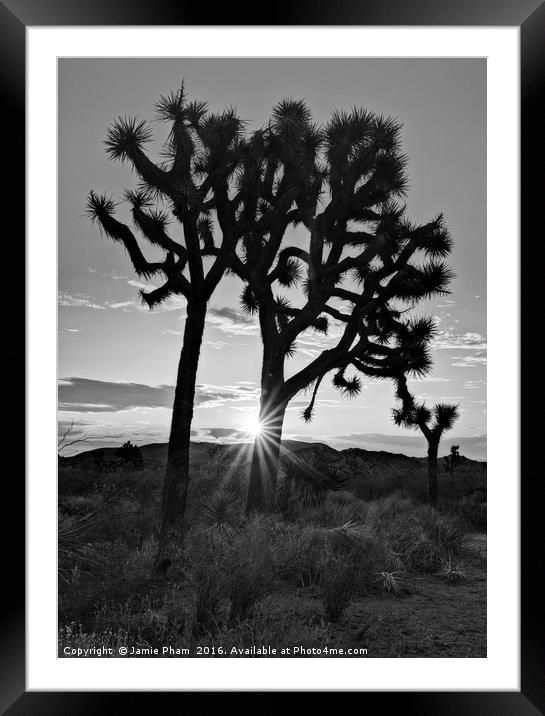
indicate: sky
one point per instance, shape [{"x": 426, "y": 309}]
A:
[{"x": 117, "y": 360}]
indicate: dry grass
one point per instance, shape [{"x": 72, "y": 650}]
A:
[{"x": 389, "y": 574}]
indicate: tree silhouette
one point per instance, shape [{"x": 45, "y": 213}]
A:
[
  {"x": 454, "y": 459},
  {"x": 340, "y": 182},
  {"x": 433, "y": 423},
  {"x": 205, "y": 185}
]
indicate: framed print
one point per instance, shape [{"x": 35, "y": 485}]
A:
[{"x": 265, "y": 264}]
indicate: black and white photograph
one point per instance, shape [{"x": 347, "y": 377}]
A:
[{"x": 272, "y": 348}]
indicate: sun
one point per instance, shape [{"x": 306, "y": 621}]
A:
[{"x": 253, "y": 426}]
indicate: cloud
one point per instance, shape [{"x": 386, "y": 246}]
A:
[
  {"x": 79, "y": 300},
  {"x": 230, "y": 320},
  {"x": 113, "y": 275},
  {"x": 122, "y": 304},
  {"x": 86, "y": 395},
  {"x": 224, "y": 435},
  {"x": 448, "y": 339},
  {"x": 433, "y": 380},
  {"x": 469, "y": 361}
]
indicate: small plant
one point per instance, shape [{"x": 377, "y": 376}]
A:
[
  {"x": 248, "y": 570},
  {"x": 337, "y": 587},
  {"x": 129, "y": 454},
  {"x": 391, "y": 582},
  {"x": 209, "y": 598},
  {"x": 219, "y": 510},
  {"x": 309, "y": 477},
  {"x": 451, "y": 572}
]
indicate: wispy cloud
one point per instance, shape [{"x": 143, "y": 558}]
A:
[
  {"x": 232, "y": 321},
  {"x": 79, "y": 300},
  {"x": 113, "y": 275},
  {"x": 449, "y": 339},
  {"x": 86, "y": 395},
  {"x": 469, "y": 361}
]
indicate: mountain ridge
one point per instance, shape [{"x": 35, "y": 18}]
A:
[{"x": 352, "y": 456}]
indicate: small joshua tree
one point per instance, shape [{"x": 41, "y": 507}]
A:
[
  {"x": 454, "y": 459},
  {"x": 432, "y": 423},
  {"x": 130, "y": 454}
]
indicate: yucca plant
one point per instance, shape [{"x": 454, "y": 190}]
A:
[
  {"x": 392, "y": 582},
  {"x": 219, "y": 510},
  {"x": 450, "y": 571},
  {"x": 196, "y": 205},
  {"x": 432, "y": 423},
  {"x": 341, "y": 183},
  {"x": 309, "y": 477}
]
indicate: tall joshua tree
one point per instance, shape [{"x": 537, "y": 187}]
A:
[
  {"x": 211, "y": 171},
  {"x": 340, "y": 183},
  {"x": 433, "y": 423}
]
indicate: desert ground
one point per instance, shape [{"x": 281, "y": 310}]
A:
[{"x": 356, "y": 565}]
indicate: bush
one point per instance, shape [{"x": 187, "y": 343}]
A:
[
  {"x": 337, "y": 586},
  {"x": 248, "y": 568},
  {"x": 418, "y": 536},
  {"x": 309, "y": 477},
  {"x": 297, "y": 554},
  {"x": 229, "y": 572}
]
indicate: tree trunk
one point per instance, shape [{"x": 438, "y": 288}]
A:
[
  {"x": 177, "y": 468},
  {"x": 433, "y": 449},
  {"x": 266, "y": 455}
]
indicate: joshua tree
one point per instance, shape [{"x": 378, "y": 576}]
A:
[
  {"x": 210, "y": 167},
  {"x": 454, "y": 459},
  {"x": 432, "y": 423},
  {"x": 130, "y": 454},
  {"x": 340, "y": 183}
]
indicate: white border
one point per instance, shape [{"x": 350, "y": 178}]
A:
[{"x": 500, "y": 670}]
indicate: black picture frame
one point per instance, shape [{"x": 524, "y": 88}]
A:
[{"x": 15, "y": 17}]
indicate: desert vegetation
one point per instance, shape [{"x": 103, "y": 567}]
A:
[{"x": 354, "y": 558}]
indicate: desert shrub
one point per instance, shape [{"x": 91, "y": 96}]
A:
[
  {"x": 229, "y": 572},
  {"x": 342, "y": 498},
  {"x": 418, "y": 536},
  {"x": 219, "y": 510},
  {"x": 300, "y": 554},
  {"x": 204, "y": 571},
  {"x": 309, "y": 477},
  {"x": 209, "y": 595},
  {"x": 364, "y": 553},
  {"x": 248, "y": 568},
  {"x": 297, "y": 554},
  {"x": 140, "y": 559},
  {"x": 446, "y": 531},
  {"x": 332, "y": 513},
  {"x": 410, "y": 483},
  {"x": 392, "y": 582},
  {"x": 471, "y": 510},
  {"x": 338, "y": 585},
  {"x": 451, "y": 572}
]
